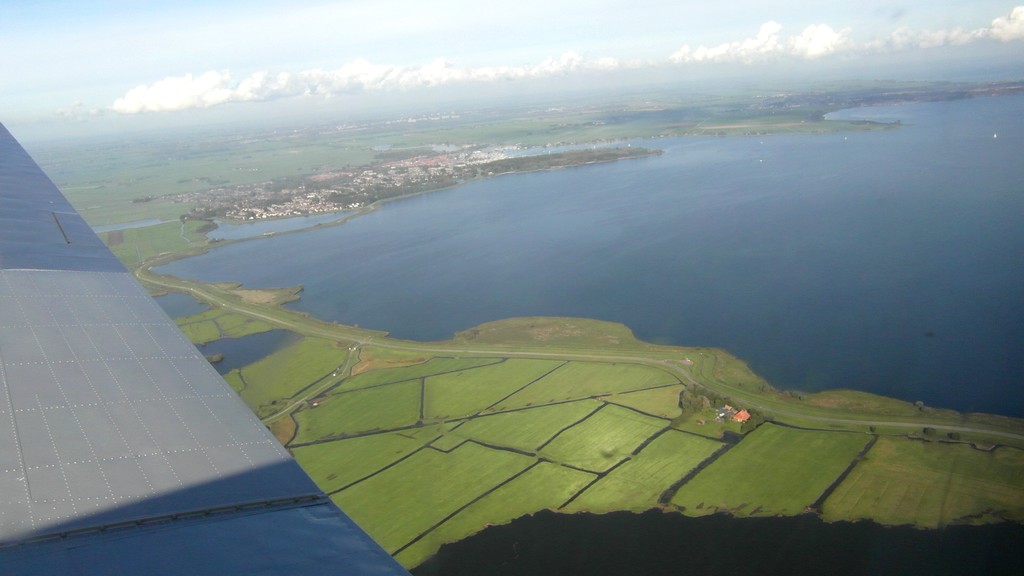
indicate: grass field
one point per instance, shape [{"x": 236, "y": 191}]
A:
[
  {"x": 336, "y": 464},
  {"x": 578, "y": 380},
  {"x": 414, "y": 371},
  {"x": 526, "y": 429},
  {"x": 379, "y": 408},
  {"x": 637, "y": 484},
  {"x": 217, "y": 323},
  {"x": 467, "y": 392},
  {"x": 604, "y": 439},
  {"x": 662, "y": 402},
  {"x": 272, "y": 380},
  {"x": 134, "y": 245},
  {"x": 410, "y": 498},
  {"x": 774, "y": 470},
  {"x": 543, "y": 486},
  {"x": 931, "y": 484}
]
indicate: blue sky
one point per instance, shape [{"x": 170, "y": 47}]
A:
[{"x": 67, "y": 63}]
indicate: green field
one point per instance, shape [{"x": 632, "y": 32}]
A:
[
  {"x": 270, "y": 382},
  {"x": 336, "y": 464},
  {"x": 467, "y": 392},
  {"x": 412, "y": 497},
  {"x": 931, "y": 484},
  {"x": 380, "y": 408},
  {"x": 638, "y": 484},
  {"x": 415, "y": 371},
  {"x": 526, "y": 429},
  {"x": 218, "y": 323},
  {"x": 603, "y": 439},
  {"x": 135, "y": 245},
  {"x": 578, "y": 380},
  {"x": 655, "y": 401},
  {"x": 544, "y": 486},
  {"x": 774, "y": 470}
]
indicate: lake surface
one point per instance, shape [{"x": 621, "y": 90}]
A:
[
  {"x": 239, "y": 352},
  {"x": 656, "y": 543},
  {"x": 886, "y": 261},
  {"x": 179, "y": 305}
]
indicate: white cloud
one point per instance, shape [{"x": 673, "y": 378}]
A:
[
  {"x": 746, "y": 51},
  {"x": 818, "y": 40},
  {"x": 1010, "y": 28},
  {"x": 213, "y": 88},
  {"x": 177, "y": 93},
  {"x": 1004, "y": 29}
]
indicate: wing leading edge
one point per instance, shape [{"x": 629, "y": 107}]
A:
[{"x": 121, "y": 450}]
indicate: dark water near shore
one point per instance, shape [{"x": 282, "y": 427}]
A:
[
  {"x": 178, "y": 305},
  {"x": 887, "y": 262},
  {"x": 239, "y": 352},
  {"x": 655, "y": 543}
]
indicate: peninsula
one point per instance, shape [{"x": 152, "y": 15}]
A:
[{"x": 573, "y": 415}]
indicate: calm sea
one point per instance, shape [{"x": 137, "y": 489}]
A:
[{"x": 886, "y": 261}]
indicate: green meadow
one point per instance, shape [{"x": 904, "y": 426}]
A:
[
  {"x": 268, "y": 384},
  {"x": 931, "y": 484},
  {"x": 775, "y": 470},
  {"x": 641, "y": 481},
  {"x": 219, "y": 323}
]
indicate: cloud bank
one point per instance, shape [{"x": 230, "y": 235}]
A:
[
  {"x": 213, "y": 88},
  {"x": 816, "y": 41}
]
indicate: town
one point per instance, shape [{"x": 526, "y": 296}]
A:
[{"x": 333, "y": 190}]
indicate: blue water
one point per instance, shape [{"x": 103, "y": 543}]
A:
[
  {"x": 178, "y": 305},
  {"x": 885, "y": 261},
  {"x": 239, "y": 352}
]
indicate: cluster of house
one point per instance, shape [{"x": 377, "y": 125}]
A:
[{"x": 735, "y": 414}]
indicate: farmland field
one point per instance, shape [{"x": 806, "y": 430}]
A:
[
  {"x": 603, "y": 439},
  {"x": 467, "y": 392},
  {"x": 285, "y": 372},
  {"x": 543, "y": 486},
  {"x": 379, "y": 408},
  {"x": 424, "y": 489},
  {"x": 415, "y": 371},
  {"x": 584, "y": 379},
  {"x": 338, "y": 463},
  {"x": 637, "y": 484},
  {"x": 218, "y": 323},
  {"x": 526, "y": 429},
  {"x": 931, "y": 484},
  {"x": 775, "y": 470}
]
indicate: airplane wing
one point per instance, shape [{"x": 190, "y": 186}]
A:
[{"x": 122, "y": 451}]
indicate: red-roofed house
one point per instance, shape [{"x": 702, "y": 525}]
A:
[{"x": 741, "y": 416}]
